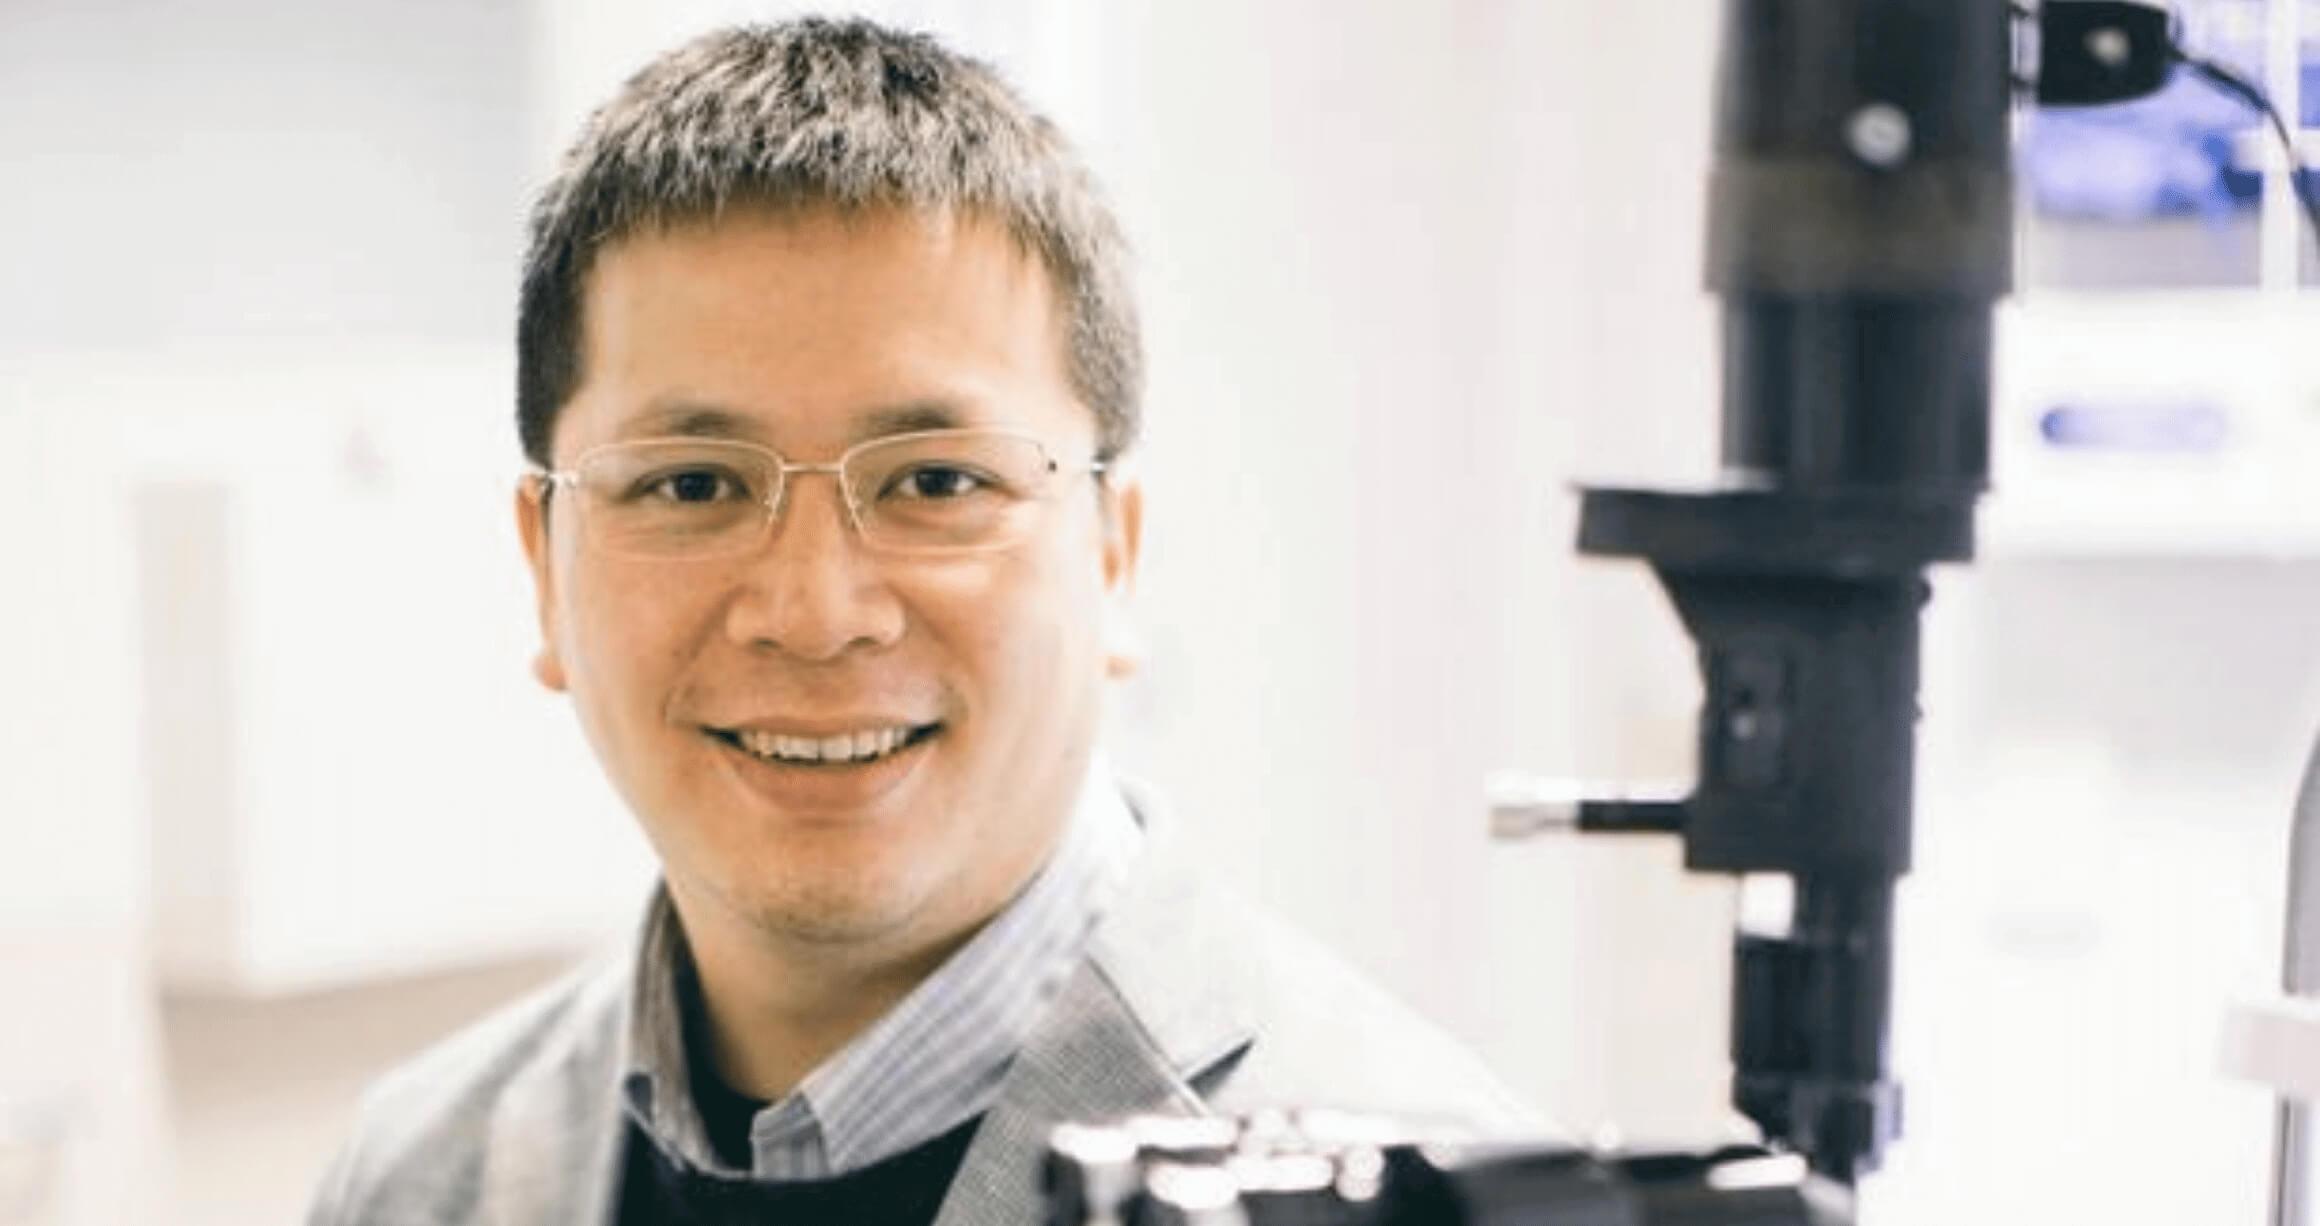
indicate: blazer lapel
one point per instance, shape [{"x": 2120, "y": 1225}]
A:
[
  {"x": 1155, "y": 1005},
  {"x": 555, "y": 1157},
  {"x": 557, "y": 1135},
  {"x": 1089, "y": 1061}
]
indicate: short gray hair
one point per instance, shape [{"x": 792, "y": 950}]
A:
[{"x": 816, "y": 112}]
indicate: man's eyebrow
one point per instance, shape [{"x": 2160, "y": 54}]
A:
[
  {"x": 911, "y": 416},
  {"x": 693, "y": 419},
  {"x": 689, "y": 419}
]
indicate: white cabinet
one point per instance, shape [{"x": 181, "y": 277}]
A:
[{"x": 349, "y": 769}]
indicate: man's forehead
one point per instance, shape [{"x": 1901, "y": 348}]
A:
[
  {"x": 826, "y": 227},
  {"x": 810, "y": 329}
]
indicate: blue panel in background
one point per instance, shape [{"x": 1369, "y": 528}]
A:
[{"x": 2169, "y": 155}]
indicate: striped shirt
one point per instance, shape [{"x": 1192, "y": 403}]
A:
[{"x": 933, "y": 1061}]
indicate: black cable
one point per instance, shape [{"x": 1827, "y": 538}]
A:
[{"x": 2241, "y": 88}]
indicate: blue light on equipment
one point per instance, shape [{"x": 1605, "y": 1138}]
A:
[{"x": 2180, "y": 427}]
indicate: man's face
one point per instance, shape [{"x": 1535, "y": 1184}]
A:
[{"x": 807, "y": 333}]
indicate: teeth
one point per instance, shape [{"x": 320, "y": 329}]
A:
[{"x": 864, "y": 746}]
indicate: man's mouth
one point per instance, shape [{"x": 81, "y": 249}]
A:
[{"x": 853, "y": 748}]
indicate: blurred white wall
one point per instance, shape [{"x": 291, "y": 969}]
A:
[
  {"x": 1407, "y": 272},
  {"x": 235, "y": 184},
  {"x": 1377, "y": 243}
]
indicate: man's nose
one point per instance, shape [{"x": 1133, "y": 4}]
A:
[{"x": 812, "y": 589}]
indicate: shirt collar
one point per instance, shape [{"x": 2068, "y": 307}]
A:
[{"x": 934, "y": 1060}]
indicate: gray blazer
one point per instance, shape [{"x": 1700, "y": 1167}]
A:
[{"x": 1187, "y": 1001}]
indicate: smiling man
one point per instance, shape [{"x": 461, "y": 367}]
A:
[{"x": 827, "y": 369}]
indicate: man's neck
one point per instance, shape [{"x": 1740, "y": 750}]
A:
[
  {"x": 777, "y": 1009},
  {"x": 780, "y": 1002}
]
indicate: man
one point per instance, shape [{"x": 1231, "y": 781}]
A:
[{"x": 828, "y": 367}]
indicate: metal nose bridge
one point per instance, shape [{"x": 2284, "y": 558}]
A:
[{"x": 779, "y": 498}]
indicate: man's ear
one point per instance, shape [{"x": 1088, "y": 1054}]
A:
[
  {"x": 1123, "y": 538},
  {"x": 532, "y": 526}
]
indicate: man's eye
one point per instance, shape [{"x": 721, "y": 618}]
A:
[
  {"x": 693, "y": 485},
  {"x": 935, "y": 482}
]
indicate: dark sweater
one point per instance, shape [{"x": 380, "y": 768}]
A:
[
  {"x": 904, "y": 1190},
  {"x": 658, "y": 1190}
]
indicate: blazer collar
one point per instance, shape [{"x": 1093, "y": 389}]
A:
[{"x": 1162, "y": 999}]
